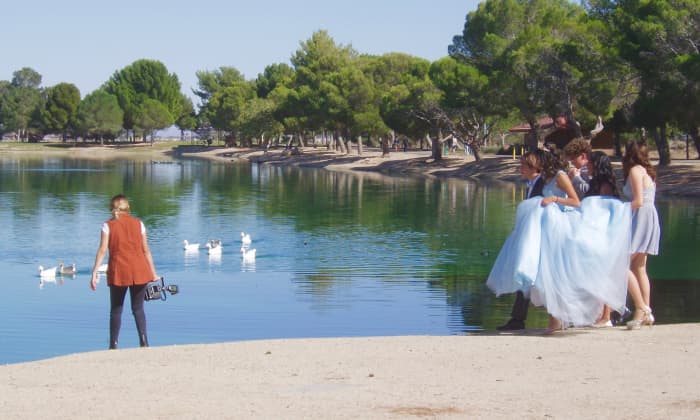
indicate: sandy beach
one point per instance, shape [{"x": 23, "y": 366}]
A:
[{"x": 578, "y": 373}]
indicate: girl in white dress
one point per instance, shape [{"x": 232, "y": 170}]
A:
[{"x": 640, "y": 188}]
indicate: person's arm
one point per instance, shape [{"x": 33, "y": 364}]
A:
[
  {"x": 580, "y": 185},
  {"x": 636, "y": 178},
  {"x": 149, "y": 257},
  {"x": 564, "y": 183},
  {"x": 101, "y": 252}
]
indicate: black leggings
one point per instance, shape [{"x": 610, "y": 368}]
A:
[{"x": 116, "y": 297}]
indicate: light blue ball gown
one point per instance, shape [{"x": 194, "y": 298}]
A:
[{"x": 572, "y": 261}]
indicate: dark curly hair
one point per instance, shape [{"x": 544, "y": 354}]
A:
[
  {"x": 551, "y": 164},
  {"x": 602, "y": 174},
  {"x": 637, "y": 153}
]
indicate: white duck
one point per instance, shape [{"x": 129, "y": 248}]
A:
[
  {"x": 248, "y": 255},
  {"x": 214, "y": 246},
  {"x": 190, "y": 247},
  {"x": 245, "y": 239},
  {"x": 47, "y": 273},
  {"x": 67, "y": 270}
]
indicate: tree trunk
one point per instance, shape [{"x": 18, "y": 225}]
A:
[
  {"x": 476, "y": 150},
  {"x": 384, "y": 141},
  {"x": 659, "y": 135},
  {"x": 436, "y": 149},
  {"x": 695, "y": 135},
  {"x": 532, "y": 138},
  {"x": 617, "y": 143},
  {"x": 359, "y": 145},
  {"x": 341, "y": 144}
]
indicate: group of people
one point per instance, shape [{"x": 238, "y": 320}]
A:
[{"x": 577, "y": 248}]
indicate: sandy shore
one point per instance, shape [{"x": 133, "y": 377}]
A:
[
  {"x": 579, "y": 373},
  {"x": 681, "y": 178}
]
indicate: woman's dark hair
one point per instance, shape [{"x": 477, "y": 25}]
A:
[
  {"x": 637, "y": 153},
  {"x": 551, "y": 164},
  {"x": 602, "y": 174}
]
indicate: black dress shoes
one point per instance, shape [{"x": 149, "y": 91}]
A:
[{"x": 512, "y": 325}]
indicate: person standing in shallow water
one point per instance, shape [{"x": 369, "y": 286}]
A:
[{"x": 130, "y": 267}]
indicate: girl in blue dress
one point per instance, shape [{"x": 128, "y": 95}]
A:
[{"x": 640, "y": 188}]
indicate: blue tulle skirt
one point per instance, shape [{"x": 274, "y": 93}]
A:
[{"x": 572, "y": 261}]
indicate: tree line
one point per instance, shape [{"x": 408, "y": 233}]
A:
[{"x": 635, "y": 63}]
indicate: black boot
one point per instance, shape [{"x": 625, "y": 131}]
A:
[
  {"x": 112, "y": 345},
  {"x": 143, "y": 340}
]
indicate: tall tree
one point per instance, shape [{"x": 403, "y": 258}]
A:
[
  {"x": 99, "y": 115},
  {"x": 223, "y": 94},
  {"x": 405, "y": 92},
  {"x": 20, "y": 102},
  {"x": 546, "y": 55},
  {"x": 141, "y": 81},
  {"x": 152, "y": 115},
  {"x": 60, "y": 109},
  {"x": 661, "y": 38},
  {"x": 318, "y": 100}
]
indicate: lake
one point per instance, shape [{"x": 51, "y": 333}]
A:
[{"x": 338, "y": 254}]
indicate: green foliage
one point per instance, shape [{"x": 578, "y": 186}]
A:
[
  {"x": 20, "y": 102},
  {"x": 61, "y": 106},
  {"x": 547, "y": 55},
  {"x": 152, "y": 115},
  {"x": 224, "y": 94},
  {"x": 140, "y": 82},
  {"x": 99, "y": 115}
]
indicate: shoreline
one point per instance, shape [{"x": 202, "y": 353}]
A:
[
  {"x": 578, "y": 373},
  {"x": 680, "y": 179}
]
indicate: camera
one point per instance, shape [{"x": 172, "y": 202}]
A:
[{"x": 157, "y": 290}]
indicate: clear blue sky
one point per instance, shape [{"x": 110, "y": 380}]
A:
[{"x": 85, "y": 41}]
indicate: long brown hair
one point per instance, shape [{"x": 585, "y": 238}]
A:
[{"x": 637, "y": 153}]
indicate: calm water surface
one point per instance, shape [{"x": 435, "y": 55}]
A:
[{"x": 337, "y": 254}]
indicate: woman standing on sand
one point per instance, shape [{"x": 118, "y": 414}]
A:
[
  {"x": 640, "y": 188},
  {"x": 130, "y": 267}
]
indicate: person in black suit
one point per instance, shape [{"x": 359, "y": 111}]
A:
[{"x": 530, "y": 170}]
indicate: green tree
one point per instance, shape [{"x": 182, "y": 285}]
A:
[
  {"x": 274, "y": 75},
  {"x": 60, "y": 109},
  {"x": 317, "y": 101},
  {"x": 257, "y": 120},
  {"x": 546, "y": 57},
  {"x": 467, "y": 114},
  {"x": 152, "y": 115},
  {"x": 406, "y": 95},
  {"x": 187, "y": 120},
  {"x": 224, "y": 94},
  {"x": 20, "y": 101},
  {"x": 99, "y": 115},
  {"x": 661, "y": 39},
  {"x": 141, "y": 81}
]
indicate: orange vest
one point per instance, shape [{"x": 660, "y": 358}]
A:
[{"x": 127, "y": 264}]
